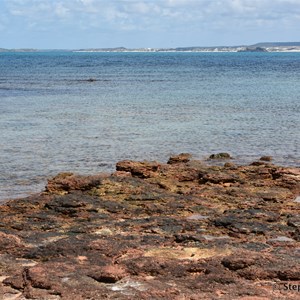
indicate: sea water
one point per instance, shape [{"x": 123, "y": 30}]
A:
[{"x": 83, "y": 112}]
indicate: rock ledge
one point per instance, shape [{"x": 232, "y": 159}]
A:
[{"x": 176, "y": 230}]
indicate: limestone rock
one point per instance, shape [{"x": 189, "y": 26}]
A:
[{"x": 176, "y": 230}]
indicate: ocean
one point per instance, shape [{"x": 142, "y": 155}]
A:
[{"x": 83, "y": 112}]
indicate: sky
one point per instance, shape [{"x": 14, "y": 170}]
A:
[{"x": 77, "y": 24}]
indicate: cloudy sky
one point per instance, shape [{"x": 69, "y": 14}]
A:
[{"x": 146, "y": 23}]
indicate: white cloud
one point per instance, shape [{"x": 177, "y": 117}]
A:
[
  {"x": 3, "y": 22},
  {"x": 141, "y": 7},
  {"x": 191, "y": 16},
  {"x": 137, "y": 9},
  {"x": 61, "y": 11}
]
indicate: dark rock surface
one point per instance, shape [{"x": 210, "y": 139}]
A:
[
  {"x": 222, "y": 155},
  {"x": 180, "y": 230}
]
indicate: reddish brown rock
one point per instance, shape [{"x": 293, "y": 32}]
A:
[
  {"x": 65, "y": 182},
  {"x": 108, "y": 274},
  {"x": 10, "y": 243},
  {"x": 179, "y": 230},
  {"x": 181, "y": 158},
  {"x": 139, "y": 169}
]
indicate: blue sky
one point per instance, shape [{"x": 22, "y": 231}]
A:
[{"x": 73, "y": 24}]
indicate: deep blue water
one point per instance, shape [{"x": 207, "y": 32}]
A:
[{"x": 141, "y": 106}]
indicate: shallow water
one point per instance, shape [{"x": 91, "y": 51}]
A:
[{"x": 141, "y": 106}]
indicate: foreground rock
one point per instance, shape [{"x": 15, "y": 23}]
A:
[{"x": 180, "y": 230}]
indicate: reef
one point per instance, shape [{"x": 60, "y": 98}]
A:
[{"x": 183, "y": 229}]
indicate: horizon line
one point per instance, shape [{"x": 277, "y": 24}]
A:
[{"x": 141, "y": 47}]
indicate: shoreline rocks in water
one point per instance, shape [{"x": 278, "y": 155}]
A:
[{"x": 176, "y": 230}]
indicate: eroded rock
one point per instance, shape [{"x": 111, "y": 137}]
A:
[{"x": 155, "y": 231}]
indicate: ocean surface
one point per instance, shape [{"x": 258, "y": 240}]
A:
[{"x": 141, "y": 106}]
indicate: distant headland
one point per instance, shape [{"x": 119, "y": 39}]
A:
[{"x": 259, "y": 47}]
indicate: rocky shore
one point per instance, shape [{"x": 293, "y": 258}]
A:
[{"x": 177, "y": 230}]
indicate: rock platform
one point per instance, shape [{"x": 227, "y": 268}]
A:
[{"x": 178, "y": 230}]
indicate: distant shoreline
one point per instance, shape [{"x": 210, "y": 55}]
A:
[
  {"x": 260, "y": 47},
  {"x": 177, "y": 51}
]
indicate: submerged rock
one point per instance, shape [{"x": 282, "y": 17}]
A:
[
  {"x": 266, "y": 158},
  {"x": 153, "y": 230},
  {"x": 222, "y": 155}
]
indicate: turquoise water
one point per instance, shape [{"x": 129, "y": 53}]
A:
[{"x": 141, "y": 106}]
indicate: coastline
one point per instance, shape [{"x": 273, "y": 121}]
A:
[
  {"x": 260, "y": 47},
  {"x": 37, "y": 187},
  {"x": 156, "y": 230}
]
